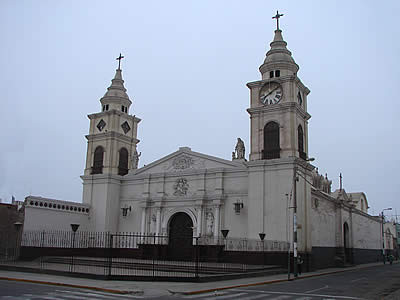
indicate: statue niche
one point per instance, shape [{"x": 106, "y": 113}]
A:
[{"x": 209, "y": 224}]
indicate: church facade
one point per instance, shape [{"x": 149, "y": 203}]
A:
[{"x": 276, "y": 192}]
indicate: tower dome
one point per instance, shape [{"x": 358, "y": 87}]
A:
[
  {"x": 278, "y": 58},
  {"x": 116, "y": 96}
]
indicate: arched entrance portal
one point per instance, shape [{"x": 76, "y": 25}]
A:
[{"x": 180, "y": 244}]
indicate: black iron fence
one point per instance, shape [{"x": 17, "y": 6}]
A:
[
  {"x": 135, "y": 255},
  {"x": 86, "y": 239},
  {"x": 9, "y": 244}
]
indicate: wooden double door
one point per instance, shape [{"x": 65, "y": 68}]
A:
[{"x": 180, "y": 243}]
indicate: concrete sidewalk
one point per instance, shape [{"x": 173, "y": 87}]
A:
[{"x": 150, "y": 288}]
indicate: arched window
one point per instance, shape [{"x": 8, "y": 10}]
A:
[
  {"x": 123, "y": 162},
  {"x": 271, "y": 141},
  {"x": 98, "y": 160},
  {"x": 300, "y": 141}
]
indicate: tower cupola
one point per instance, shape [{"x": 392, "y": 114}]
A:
[
  {"x": 278, "y": 61},
  {"x": 116, "y": 96}
]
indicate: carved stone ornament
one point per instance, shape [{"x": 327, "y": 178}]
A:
[
  {"x": 182, "y": 162},
  {"x": 101, "y": 125},
  {"x": 181, "y": 187},
  {"x": 125, "y": 127}
]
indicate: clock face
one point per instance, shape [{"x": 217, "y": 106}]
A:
[{"x": 271, "y": 93}]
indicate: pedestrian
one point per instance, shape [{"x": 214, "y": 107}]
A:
[
  {"x": 299, "y": 263},
  {"x": 391, "y": 257}
]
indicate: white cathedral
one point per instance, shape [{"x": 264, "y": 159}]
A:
[{"x": 190, "y": 193}]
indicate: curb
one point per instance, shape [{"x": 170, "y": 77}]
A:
[{"x": 73, "y": 286}]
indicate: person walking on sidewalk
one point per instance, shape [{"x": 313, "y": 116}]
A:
[
  {"x": 391, "y": 258},
  {"x": 299, "y": 263}
]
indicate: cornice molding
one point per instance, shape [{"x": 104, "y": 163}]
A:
[
  {"x": 283, "y": 79},
  {"x": 170, "y": 176},
  {"x": 101, "y": 178},
  {"x": 115, "y": 99},
  {"x": 114, "y": 112},
  {"x": 111, "y": 135},
  {"x": 284, "y": 107}
]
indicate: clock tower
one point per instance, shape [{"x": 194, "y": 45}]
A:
[{"x": 278, "y": 106}]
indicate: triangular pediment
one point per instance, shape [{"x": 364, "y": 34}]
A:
[{"x": 185, "y": 160}]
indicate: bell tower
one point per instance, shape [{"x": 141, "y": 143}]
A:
[
  {"x": 112, "y": 137},
  {"x": 278, "y": 106},
  {"x": 111, "y": 149}
]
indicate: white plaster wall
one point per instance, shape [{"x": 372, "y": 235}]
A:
[
  {"x": 103, "y": 194},
  {"x": 366, "y": 232},
  {"x": 237, "y": 224},
  {"x": 50, "y": 219},
  {"x": 322, "y": 222},
  {"x": 236, "y": 190},
  {"x": 132, "y": 189},
  {"x": 278, "y": 183},
  {"x": 130, "y": 223}
]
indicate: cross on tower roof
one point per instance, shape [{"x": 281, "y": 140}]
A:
[
  {"x": 277, "y": 16},
  {"x": 119, "y": 61}
]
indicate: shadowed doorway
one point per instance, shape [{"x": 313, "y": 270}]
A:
[{"x": 180, "y": 244}]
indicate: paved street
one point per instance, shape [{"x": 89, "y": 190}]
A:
[
  {"x": 370, "y": 283},
  {"x": 377, "y": 281},
  {"x": 25, "y": 291}
]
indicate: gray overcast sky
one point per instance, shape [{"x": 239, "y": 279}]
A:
[{"x": 186, "y": 68}]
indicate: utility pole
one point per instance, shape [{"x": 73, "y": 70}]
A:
[
  {"x": 383, "y": 234},
  {"x": 295, "y": 178}
]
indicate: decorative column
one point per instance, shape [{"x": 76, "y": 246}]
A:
[
  {"x": 199, "y": 216},
  {"x": 351, "y": 235},
  {"x": 216, "y": 223},
  {"x": 158, "y": 225},
  {"x": 158, "y": 221},
  {"x": 143, "y": 223}
]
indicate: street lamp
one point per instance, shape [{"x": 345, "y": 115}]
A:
[
  {"x": 17, "y": 226},
  {"x": 262, "y": 237},
  {"x": 225, "y": 234},
  {"x": 74, "y": 228},
  {"x": 295, "y": 179},
  {"x": 383, "y": 236}
]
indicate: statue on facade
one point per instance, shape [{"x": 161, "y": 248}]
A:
[
  {"x": 327, "y": 184},
  {"x": 210, "y": 224},
  {"x": 153, "y": 225},
  {"x": 239, "y": 149},
  {"x": 135, "y": 159}
]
